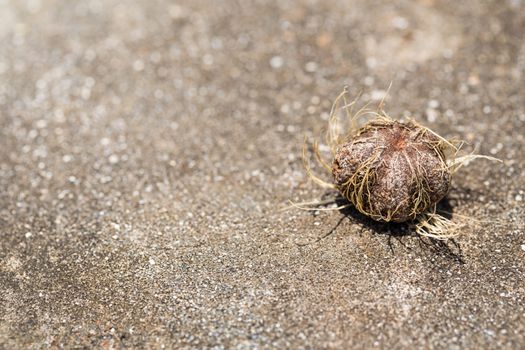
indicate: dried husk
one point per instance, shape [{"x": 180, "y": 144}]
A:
[
  {"x": 389, "y": 170},
  {"x": 392, "y": 171}
]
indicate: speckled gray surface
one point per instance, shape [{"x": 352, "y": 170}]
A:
[{"x": 147, "y": 147}]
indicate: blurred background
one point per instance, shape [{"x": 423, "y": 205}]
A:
[{"x": 146, "y": 147}]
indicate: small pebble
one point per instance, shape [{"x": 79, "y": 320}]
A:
[
  {"x": 113, "y": 159},
  {"x": 310, "y": 67},
  {"x": 433, "y": 104},
  {"x": 276, "y": 62}
]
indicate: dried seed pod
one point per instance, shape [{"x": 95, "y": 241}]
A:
[{"x": 392, "y": 171}]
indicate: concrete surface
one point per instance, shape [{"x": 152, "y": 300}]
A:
[{"x": 146, "y": 148}]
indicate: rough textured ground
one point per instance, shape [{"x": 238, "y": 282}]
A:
[{"x": 147, "y": 147}]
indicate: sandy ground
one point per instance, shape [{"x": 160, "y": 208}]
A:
[{"x": 146, "y": 149}]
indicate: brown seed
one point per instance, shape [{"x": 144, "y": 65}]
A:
[
  {"x": 388, "y": 169},
  {"x": 392, "y": 171}
]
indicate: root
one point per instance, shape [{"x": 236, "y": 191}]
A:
[
  {"x": 381, "y": 105},
  {"x": 442, "y": 143},
  {"x": 435, "y": 226},
  {"x": 317, "y": 153},
  {"x": 455, "y": 164},
  {"x": 311, "y": 204},
  {"x": 357, "y": 188},
  {"x": 448, "y": 151},
  {"x": 309, "y": 172},
  {"x": 314, "y": 206},
  {"x": 476, "y": 222},
  {"x": 422, "y": 198},
  {"x": 333, "y": 133}
]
